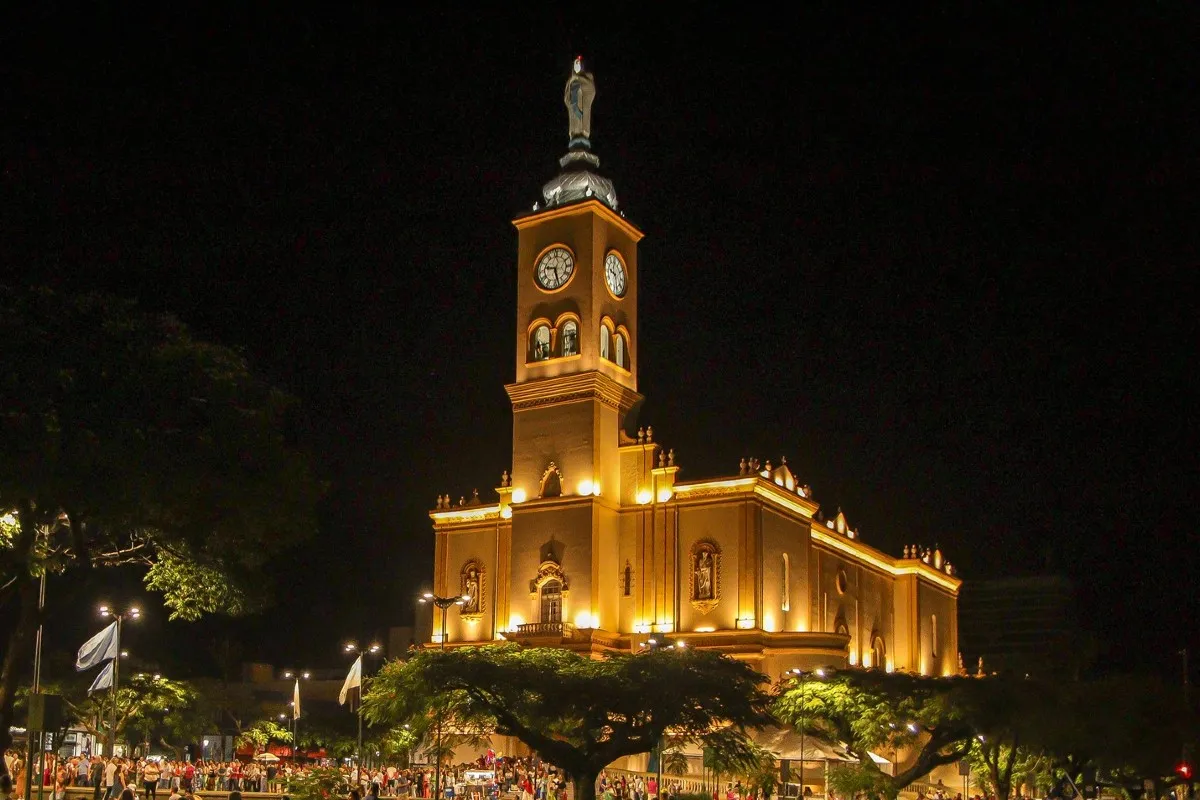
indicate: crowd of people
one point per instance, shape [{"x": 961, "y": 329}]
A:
[{"x": 166, "y": 779}]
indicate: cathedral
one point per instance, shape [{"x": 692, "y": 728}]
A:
[{"x": 594, "y": 543}]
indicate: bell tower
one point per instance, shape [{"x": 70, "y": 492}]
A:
[{"x": 576, "y": 327}]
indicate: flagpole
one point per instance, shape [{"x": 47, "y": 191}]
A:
[
  {"x": 119, "y": 617},
  {"x": 112, "y": 719},
  {"x": 37, "y": 688}
]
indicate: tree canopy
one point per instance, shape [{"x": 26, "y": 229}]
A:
[
  {"x": 871, "y": 710},
  {"x": 577, "y": 713},
  {"x": 125, "y": 440}
]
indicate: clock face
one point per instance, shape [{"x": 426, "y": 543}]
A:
[
  {"x": 554, "y": 268},
  {"x": 614, "y": 274}
]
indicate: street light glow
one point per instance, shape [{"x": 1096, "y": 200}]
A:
[
  {"x": 375, "y": 648},
  {"x": 428, "y": 595},
  {"x": 306, "y": 675}
]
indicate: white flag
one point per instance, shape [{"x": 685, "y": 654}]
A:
[
  {"x": 296, "y": 700},
  {"x": 101, "y": 647},
  {"x": 353, "y": 679},
  {"x": 103, "y": 680}
]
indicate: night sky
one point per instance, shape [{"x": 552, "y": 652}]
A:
[{"x": 940, "y": 262}]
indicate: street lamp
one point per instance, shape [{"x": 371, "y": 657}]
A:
[
  {"x": 373, "y": 649},
  {"x": 131, "y": 613},
  {"x": 443, "y": 604},
  {"x": 802, "y": 676}
]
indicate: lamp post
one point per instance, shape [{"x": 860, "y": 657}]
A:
[
  {"x": 802, "y": 676},
  {"x": 373, "y": 649},
  {"x": 442, "y": 603},
  {"x": 295, "y": 711},
  {"x": 120, "y": 616}
]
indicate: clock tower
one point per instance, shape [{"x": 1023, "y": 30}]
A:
[{"x": 576, "y": 326}]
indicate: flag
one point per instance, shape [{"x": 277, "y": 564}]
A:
[
  {"x": 296, "y": 700},
  {"x": 103, "y": 680},
  {"x": 101, "y": 647},
  {"x": 353, "y": 678}
]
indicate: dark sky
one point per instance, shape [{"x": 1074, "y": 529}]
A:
[{"x": 938, "y": 261}]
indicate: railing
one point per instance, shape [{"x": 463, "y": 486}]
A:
[{"x": 564, "y": 629}]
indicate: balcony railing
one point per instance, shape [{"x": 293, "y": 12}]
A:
[{"x": 563, "y": 629}]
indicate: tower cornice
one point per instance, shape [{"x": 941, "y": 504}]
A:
[
  {"x": 576, "y": 209},
  {"x": 592, "y": 385}
]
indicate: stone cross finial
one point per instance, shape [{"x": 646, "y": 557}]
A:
[{"x": 474, "y": 497}]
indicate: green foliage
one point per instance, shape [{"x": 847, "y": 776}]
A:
[
  {"x": 579, "y": 714},
  {"x": 124, "y": 440},
  {"x": 874, "y": 710},
  {"x": 855, "y": 780},
  {"x": 317, "y": 783},
  {"x": 146, "y": 705},
  {"x": 262, "y": 732},
  {"x": 674, "y": 762}
]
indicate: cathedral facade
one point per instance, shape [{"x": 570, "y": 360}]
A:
[{"x": 595, "y": 544}]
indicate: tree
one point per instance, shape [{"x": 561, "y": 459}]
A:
[
  {"x": 261, "y": 733},
  {"x": 873, "y": 710},
  {"x": 145, "y": 704},
  {"x": 124, "y": 440},
  {"x": 579, "y": 714}
]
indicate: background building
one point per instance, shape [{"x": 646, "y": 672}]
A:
[{"x": 1023, "y": 625}]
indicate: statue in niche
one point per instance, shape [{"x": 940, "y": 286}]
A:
[
  {"x": 578, "y": 96},
  {"x": 704, "y": 576},
  {"x": 471, "y": 587}
]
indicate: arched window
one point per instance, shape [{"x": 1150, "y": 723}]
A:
[
  {"x": 570, "y": 338},
  {"x": 933, "y": 634},
  {"x": 878, "y": 653},
  {"x": 605, "y": 342},
  {"x": 551, "y": 602},
  {"x": 627, "y": 579},
  {"x": 541, "y": 343},
  {"x": 620, "y": 348}
]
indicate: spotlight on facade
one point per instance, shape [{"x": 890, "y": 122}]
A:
[
  {"x": 518, "y": 496},
  {"x": 644, "y": 497}
]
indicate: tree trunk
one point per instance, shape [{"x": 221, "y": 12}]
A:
[
  {"x": 585, "y": 784},
  {"x": 19, "y": 643}
]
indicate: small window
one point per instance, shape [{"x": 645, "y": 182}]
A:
[
  {"x": 541, "y": 343},
  {"x": 787, "y": 583},
  {"x": 627, "y": 579},
  {"x": 620, "y": 350},
  {"x": 570, "y": 338},
  {"x": 605, "y": 342}
]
